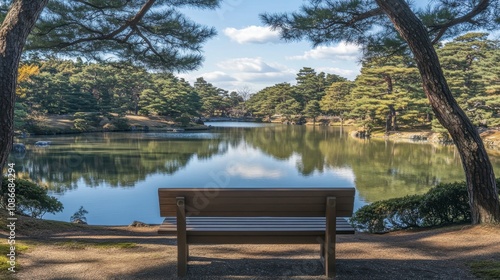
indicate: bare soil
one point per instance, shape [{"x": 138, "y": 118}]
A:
[{"x": 443, "y": 253}]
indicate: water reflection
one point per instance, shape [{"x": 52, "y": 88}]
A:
[{"x": 252, "y": 156}]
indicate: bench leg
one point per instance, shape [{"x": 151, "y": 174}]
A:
[
  {"x": 329, "y": 258},
  {"x": 182, "y": 255},
  {"x": 330, "y": 235},
  {"x": 182, "y": 244}
]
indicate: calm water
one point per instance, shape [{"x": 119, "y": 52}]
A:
[{"x": 115, "y": 176}]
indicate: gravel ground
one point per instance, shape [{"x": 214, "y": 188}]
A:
[{"x": 431, "y": 254}]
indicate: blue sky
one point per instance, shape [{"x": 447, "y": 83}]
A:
[{"x": 247, "y": 55}]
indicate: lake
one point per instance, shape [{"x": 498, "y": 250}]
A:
[{"x": 115, "y": 176}]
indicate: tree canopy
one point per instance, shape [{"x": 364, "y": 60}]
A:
[
  {"x": 154, "y": 34},
  {"x": 389, "y": 27},
  {"x": 151, "y": 33}
]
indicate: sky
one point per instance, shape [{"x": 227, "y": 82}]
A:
[{"x": 247, "y": 55}]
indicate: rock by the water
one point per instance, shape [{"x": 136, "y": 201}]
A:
[
  {"x": 79, "y": 221},
  {"x": 138, "y": 224},
  {"x": 42, "y": 143}
]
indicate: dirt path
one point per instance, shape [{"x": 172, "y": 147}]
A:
[{"x": 431, "y": 254}]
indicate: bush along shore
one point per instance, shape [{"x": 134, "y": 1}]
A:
[
  {"x": 81, "y": 122},
  {"x": 442, "y": 205}
]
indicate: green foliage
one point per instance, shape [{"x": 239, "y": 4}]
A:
[
  {"x": 31, "y": 199},
  {"x": 154, "y": 34},
  {"x": 337, "y": 98},
  {"x": 79, "y": 216},
  {"x": 473, "y": 77},
  {"x": 391, "y": 214},
  {"x": 324, "y": 22},
  {"x": 445, "y": 204},
  {"x": 183, "y": 120},
  {"x": 312, "y": 109},
  {"x": 86, "y": 121},
  {"x": 214, "y": 101},
  {"x": 68, "y": 87},
  {"x": 487, "y": 269},
  {"x": 120, "y": 124},
  {"x": 20, "y": 116},
  {"x": 4, "y": 261},
  {"x": 442, "y": 205}
]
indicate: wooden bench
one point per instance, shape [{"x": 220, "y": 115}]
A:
[{"x": 256, "y": 216}]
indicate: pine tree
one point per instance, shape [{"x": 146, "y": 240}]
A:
[
  {"x": 152, "y": 33},
  {"x": 388, "y": 27}
]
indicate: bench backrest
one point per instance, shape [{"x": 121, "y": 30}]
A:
[{"x": 256, "y": 202}]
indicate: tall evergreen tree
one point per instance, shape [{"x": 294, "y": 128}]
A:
[
  {"x": 387, "y": 92},
  {"x": 311, "y": 85},
  {"x": 338, "y": 99},
  {"x": 390, "y": 26},
  {"x": 265, "y": 102},
  {"x": 462, "y": 62},
  {"x": 152, "y": 33},
  {"x": 213, "y": 99}
]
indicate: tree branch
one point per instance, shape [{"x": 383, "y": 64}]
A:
[
  {"x": 103, "y": 6},
  {"x": 128, "y": 24},
  {"x": 150, "y": 45},
  {"x": 442, "y": 28},
  {"x": 366, "y": 15}
]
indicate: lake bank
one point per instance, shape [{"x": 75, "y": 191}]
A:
[
  {"x": 65, "y": 124},
  {"x": 68, "y": 124},
  {"x": 58, "y": 249}
]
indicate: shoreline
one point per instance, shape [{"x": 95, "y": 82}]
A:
[{"x": 64, "y": 124}]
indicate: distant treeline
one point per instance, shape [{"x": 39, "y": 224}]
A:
[{"x": 387, "y": 93}]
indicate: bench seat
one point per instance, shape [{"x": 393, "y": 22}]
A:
[{"x": 314, "y": 226}]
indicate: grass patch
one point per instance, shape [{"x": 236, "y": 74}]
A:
[
  {"x": 4, "y": 265},
  {"x": 486, "y": 269},
  {"x": 99, "y": 245}
]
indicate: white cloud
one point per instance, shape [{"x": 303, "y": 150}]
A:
[
  {"x": 218, "y": 76},
  {"x": 343, "y": 51},
  {"x": 346, "y": 73},
  {"x": 246, "y": 64},
  {"x": 256, "y": 70},
  {"x": 253, "y": 172},
  {"x": 252, "y": 34}
]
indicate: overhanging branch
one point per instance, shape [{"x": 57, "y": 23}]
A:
[{"x": 442, "y": 28}]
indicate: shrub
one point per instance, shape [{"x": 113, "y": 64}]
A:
[
  {"x": 83, "y": 121},
  {"x": 391, "y": 214},
  {"x": 442, "y": 205},
  {"x": 31, "y": 199},
  {"x": 81, "y": 125},
  {"x": 183, "y": 120},
  {"x": 121, "y": 123},
  {"x": 445, "y": 204},
  {"x": 79, "y": 216}
]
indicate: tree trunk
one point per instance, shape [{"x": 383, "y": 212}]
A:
[
  {"x": 394, "y": 124},
  {"x": 14, "y": 31},
  {"x": 483, "y": 195}
]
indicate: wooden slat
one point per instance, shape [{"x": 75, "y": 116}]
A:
[
  {"x": 254, "y": 192},
  {"x": 251, "y": 239},
  {"x": 248, "y": 200},
  {"x": 279, "y": 207},
  {"x": 276, "y": 214},
  {"x": 244, "y": 202},
  {"x": 237, "y": 226}
]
